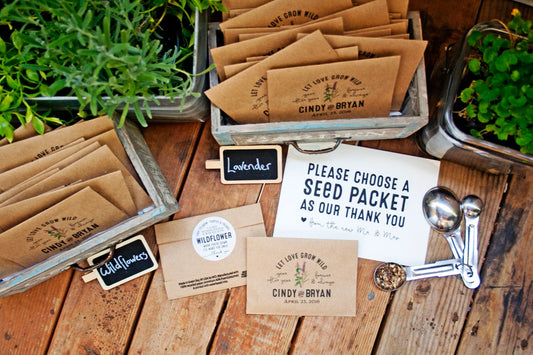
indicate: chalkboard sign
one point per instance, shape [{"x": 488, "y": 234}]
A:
[
  {"x": 248, "y": 164},
  {"x": 131, "y": 259}
]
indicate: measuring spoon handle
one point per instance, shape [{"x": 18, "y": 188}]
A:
[
  {"x": 437, "y": 269},
  {"x": 470, "y": 257},
  {"x": 455, "y": 241}
]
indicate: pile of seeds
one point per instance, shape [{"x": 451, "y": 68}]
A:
[{"x": 389, "y": 276}]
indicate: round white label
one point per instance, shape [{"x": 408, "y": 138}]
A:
[{"x": 214, "y": 238}]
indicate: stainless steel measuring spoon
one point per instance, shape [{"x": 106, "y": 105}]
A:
[
  {"x": 391, "y": 276},
  {"x": 471, "y": 206},
  {"x": 443, "y": 213}
]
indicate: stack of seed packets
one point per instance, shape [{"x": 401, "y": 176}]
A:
[
  {"x": 322, "y": 60},
  {"x": 61, "y": 187}
]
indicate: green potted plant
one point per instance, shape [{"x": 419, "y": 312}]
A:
[
  {"x": 485, "y": 116},
  {"x": 98, "y": 57}
]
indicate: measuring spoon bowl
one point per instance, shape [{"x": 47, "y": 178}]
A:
[
  {"x": 442, "y": 211},
  {"x": 391, "y": 276}
]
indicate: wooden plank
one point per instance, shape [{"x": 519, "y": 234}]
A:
[
  {"x": 343, "y": 335},
  {"x": 500, "y": 320},
  {"x": 242, "y": 333},
  {"x": 97, "y": 321},
  {"x": 239, "y": 333},
  {"x": 188, "y": 323},
  {"x": 497, "y": 9},
  {"x": 182, "y": 326},
  {"x": 408, "y": 327},
  {"x": 94, "y": 320},
  {"x": 443, "y": 23},
  {"x": 27, "y": 319},
  {"x": 427, "y": 316},
  {"x": 354, "y": 334},
  {"x": 172, "y": 146}
]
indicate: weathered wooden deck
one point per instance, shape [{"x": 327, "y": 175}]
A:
[{"x": 436, "y": 316}]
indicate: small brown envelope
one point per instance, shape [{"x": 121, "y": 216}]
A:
[
  {"x": 111, "y": 186},
  {"x": 96, "y": 163},
  {"x": 233, "y": 69},
  {"x": 268, "y": 44},
  {"x": 40, "y": 146},
  {"x": 23, "y": 185},
  {"x": 207, "y": 253},
  {"x": 244, "y": 96},
  {"x": 350, "y": 89},
  {"x": 58, "y": 228},
  {"x": 374, "y": 13},
  {"x": 411, "y": 52},
  {"x": 241, "y": 4},
  {"x": 399, "y": 6},
  {"x": 396, "y": 7},
  {"x": 232, "y": 35},
  {"x": 59, "y": 159},
  {"x": 395, "y": 28},
  {"x": 278, "y": 13},
  {"x": 302, "y": 277},
  {"x": 374, "y": 32},
  {"x": 23, "y": 132},
  {"x": 347, "y": 53},
  {"x": 333, "y": 26},
  {"x": 110, "y": 138}
]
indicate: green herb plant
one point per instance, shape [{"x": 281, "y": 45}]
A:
[
  {"x": 106, "y": 53},
  {"x": 19, "y": 80},
  {"x": 501, "y": 94}
]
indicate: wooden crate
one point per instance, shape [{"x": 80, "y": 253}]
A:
[
  {"x": 164, "y": 205},
  {"x": 412, "y": 117}
]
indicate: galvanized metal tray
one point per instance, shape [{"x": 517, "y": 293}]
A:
[
  {"x": 412, "y": 117},
  {"x": 164, "y": 205},
  {"x": 442, "y": 139},
  {"x": 185, "y": 108}
]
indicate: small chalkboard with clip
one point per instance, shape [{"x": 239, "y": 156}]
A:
[
  {"x": 131, "y": 259},
  {"x": 248, "y": 164}
]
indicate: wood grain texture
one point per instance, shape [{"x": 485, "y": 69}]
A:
[
  {"x": 498, "y": 9},
  {"x": 347, "y": 335},
  {"x": 27, "y": 319},
  {"x": 97, "y": 321},
  {"x": 188, "y": 323},
  {"x": 239, "y": 333},
  {"x": 173, "y": 146},
  {"x": 102, "y": 321},
  {"x": 183, "y": 325},
  {"x": 435, "y": 316},
  {"x": 444, "y": 23},
  {"x": 500, "y": 320},
  {"x": 428, "y": 315},
  {"x": 242, "y": 333}
]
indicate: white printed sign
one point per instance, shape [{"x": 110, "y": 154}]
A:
[{"x": 358, "y": 193}]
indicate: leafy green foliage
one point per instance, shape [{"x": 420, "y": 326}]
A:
[
  {"x": 501, "y": 95},
  {"x": 106, "y": 53},
  {"x": 19, "y": 79}
]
